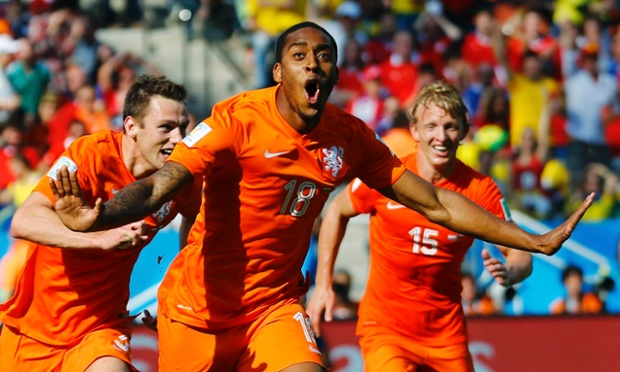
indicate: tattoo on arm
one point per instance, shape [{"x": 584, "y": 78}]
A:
[{"x": 144, "y": 196}]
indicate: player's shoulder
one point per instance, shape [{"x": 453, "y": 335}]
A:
[
  {"x": 247, "y": 100},
  {"x": 342, "y": 123},
  {"x": 467, "y": 175},
  {"x": 100, "y": 142}
]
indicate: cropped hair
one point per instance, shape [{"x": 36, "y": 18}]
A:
[
  {"x": 146, "y": 87},
  {"x": 307, "y": 24}
]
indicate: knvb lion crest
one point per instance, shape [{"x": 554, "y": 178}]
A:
[
  {"x": 333, "y": 159},
  {"x": 163, "y": 212}
]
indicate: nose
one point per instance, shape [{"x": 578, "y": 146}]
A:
[
  {"x": 311, "y": 62},
  {"x": 440, "y": 134},
  {"x": 176, "y": 135}
]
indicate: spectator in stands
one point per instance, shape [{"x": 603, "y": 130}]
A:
[
  {"x": 435, "y": 33},
  {"x": 344, "y": 26},
  {"x": 532, "y": 34},
  {"x": 84, "y": 46},
  {"x": 351, "y": 80},
  {"x": 527, "y": 167},
  {"x": 266, "y": 20},
  {"x": 344, "y": 307},
  {"x": 555, "y": 181},
  {"x": 473, "y": 301},
  {"x": 576, "y": 299},
  {"x": 493, "y": 104},
  {"x": 9, "y": 100},
  {"x": 37, "y": 131},
  {"x": 26, "y": 178},
  {"x": 596, "y": 178},
  {"x": 12, "y": 144},
  {"x": 368, "y": 106},
  {"x": 400, "y": 72},
  {"x": 29, "y": 77},
  {"x": 114, "y": 78},
  {"x": 85, "y": 108},
  {"x": 477, "y": 47},
  {"x": 530, "y": 92},
  {"x": 590, "y": 94},
  {"x": 377, "y": 48}
]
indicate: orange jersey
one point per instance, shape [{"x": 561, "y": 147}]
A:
[
  {"x": 414, "y": 284},
  {"x": 65, "y": 293},
  {"x": 264, "y": 186}
]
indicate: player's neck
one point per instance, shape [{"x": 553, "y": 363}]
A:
[
  {"x": 431, "y": 173},
  {"x": 134, "y": 161}
]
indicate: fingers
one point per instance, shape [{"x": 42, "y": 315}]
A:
[
  {"x": 55, "y": 191},
  {"x": 586, "y": 204},
  {"x": 485, "y": 254},
  {"x": 73, "y": 182},
  {"x": 315, "y": 317}
]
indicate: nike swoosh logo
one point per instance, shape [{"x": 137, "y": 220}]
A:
[
  {"x": 122, "y": 347},
  {"x": 314, "y": 350},
  {"x": 391, "y": 206},
  {"x": 270, "y": 155}
]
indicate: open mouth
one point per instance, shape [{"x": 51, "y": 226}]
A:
[
  {"x": 312, "y": 91},
  {"x": 166, "y": 152}
]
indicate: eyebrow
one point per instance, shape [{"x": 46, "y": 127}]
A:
[{"x": 321, "y": 47}]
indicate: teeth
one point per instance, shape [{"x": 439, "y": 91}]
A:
[{"x": 440, "y": 148}]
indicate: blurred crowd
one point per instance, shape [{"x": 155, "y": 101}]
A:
[{"x": 540, "y": 79}]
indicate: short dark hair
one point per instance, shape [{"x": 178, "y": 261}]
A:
[
  {"x": 307, "y": 24},
  {"x": 571, "y": 270},
  {"x": 146, "y": 87}
]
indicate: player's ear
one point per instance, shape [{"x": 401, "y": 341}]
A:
[
  {"x": 277, "y": 72},
  {"x": 130, "y": 126}
]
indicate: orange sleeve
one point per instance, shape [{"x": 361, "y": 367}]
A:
[
  {"x": 378, "y": 167},
  {"x": 82, "y": 155},
  {"x": 362, "y": 197}
]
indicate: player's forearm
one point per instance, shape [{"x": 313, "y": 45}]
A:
[
  {"x": 41, "y": 225},
  {"x": 143, "y": 197},
  {"x": 132, "y": 203},
  {"x": 458, "y": 213},
  {"x": 466, "y": 217},
  {"x": 332, "y": 231}
]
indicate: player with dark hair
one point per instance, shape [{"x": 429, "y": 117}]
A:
[{"x": 69, "y": 311}]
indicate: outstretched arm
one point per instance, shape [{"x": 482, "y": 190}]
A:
[
  {"x": 333, "y": 227},
  {"x": 460, "y": 214},
  {"x": 132, "y": 203}
]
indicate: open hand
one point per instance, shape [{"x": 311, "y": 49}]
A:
[
  {"x": 149, "y": 321},
  {"x": 552, "y": 241},
  {"x": 129, "y": 236},
  {"x": 70, "y": 205},
  {"x": 321, "y": 300},
  {"x": 496, "y": 268}
]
